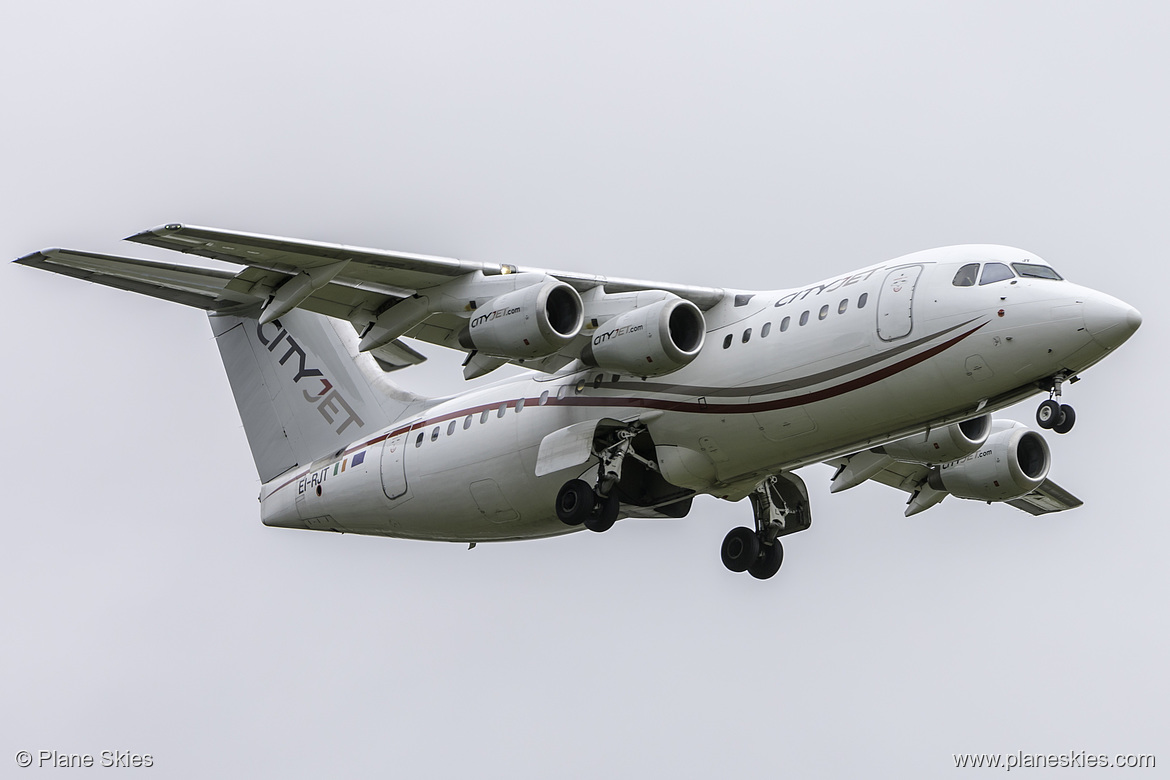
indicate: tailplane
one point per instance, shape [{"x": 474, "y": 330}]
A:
[{"x": 302, "y": 387}]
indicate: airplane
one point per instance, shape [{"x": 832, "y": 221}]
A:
[{"x": 636, "y": 395}]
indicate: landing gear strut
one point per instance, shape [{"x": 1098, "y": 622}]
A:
[
  {"x": 1054, "y": 415},
  {"x": 779, "y": 507}
]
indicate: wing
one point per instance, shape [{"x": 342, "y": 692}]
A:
[
  {"x": 356, "y": 284},
  {"x": 391, "y": 273},
  {"x": 912, "y": 478}
]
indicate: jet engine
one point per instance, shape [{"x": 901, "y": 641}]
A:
[
  {"x": 942, "y": 445},
  {"x": 650, "y": 340},
  {"x": 531, "y": 322},
  {"x": 1012, "y": 462}
]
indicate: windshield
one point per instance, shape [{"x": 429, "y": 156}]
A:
[
  {"x": 995, "y": 272},
  {"x": 1033, "y": 271},
  {"x": 966, "y": 275}
]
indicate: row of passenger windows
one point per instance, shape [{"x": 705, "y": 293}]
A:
[
  {"x": 500, "y": 411},
  {"x": 997, "y": 272},
  {"x": 842, "y": 307}
]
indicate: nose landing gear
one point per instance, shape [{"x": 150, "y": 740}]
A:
[{"x": 1052, "y": 414}]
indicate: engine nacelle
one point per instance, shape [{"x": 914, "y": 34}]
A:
[
  {"x": 1011, "y": 463},
  {"x": 531, "y": 322},
  {"x": 650, "y": 340},
  {"x": 942, "y": 445}
]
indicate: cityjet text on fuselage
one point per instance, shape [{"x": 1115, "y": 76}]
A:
[{"x": 836, "y": 284}]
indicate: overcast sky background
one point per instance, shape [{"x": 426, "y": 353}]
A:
[{"x": 147, "y": 609}]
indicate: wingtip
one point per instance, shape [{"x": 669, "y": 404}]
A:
[
  {"x": 33, "y": 258},
  {"x": 161, "y": 230}
]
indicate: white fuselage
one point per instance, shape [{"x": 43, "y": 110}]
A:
[{"x": 785, "y": 378}]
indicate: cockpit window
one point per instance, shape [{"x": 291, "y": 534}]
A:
[
  {"x": 966, "y": 275},
  {"x": 1034, "y": 271},
  {"x": 995, "y": 272}
]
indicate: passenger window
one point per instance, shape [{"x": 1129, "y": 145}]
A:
[
  {"x": 467, "y": 422},
  {"x": 519, "y": 406},
  {"x": 727, "y": 341},
  {"x": 966, "y": 275},
  {"x": 824, "y": 312},
  {"x": 503, "y": 408},
  {"x": 435, "y": 433},
  {"x": 995, "y": 272},
  {"x": 861, "y": 301},
  {"x": 451, "y": 428},
  {"x": 483, "y": 416},
  {"x": 747, "y": 334},
  {"x": 804, "y": 318},
  {"x": 764, "y": 331},
  {"x": 418, "y": 441},
  {"x": 842, "y": 306},
  {"x": 784, "y": 324},
  {"x": 544, "y": 398}
]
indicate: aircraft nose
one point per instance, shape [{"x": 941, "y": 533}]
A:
[{"x": 1110, "y": 321}]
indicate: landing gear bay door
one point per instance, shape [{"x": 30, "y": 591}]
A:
[{"x": 569, "y": 446}]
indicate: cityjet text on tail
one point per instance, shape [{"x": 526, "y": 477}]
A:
[{"x": 638, "y": 395}]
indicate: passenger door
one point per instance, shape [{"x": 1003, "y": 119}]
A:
[{"x": 895, "y": 309}]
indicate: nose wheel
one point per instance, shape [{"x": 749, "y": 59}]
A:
[{"x": 1052, "y": 414}]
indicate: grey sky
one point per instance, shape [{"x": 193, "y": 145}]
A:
[{"x": 147, "y": 609}]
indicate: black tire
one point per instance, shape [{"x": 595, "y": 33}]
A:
[
  {"x": 1048, "y": 414},
  {"x": 769, "y": 561},
  {"x": 575, "y": 502},
  {"x": 1068, "y": 419},
  {"x": 606, "y": 515},
  {"x": 741, "y": 548}
]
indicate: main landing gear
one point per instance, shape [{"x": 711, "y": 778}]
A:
[
  {"x": 579, "y": 503},
  {"x": 1054, "y": 415},
  {"x": 780, "y": 507},
  {"x": 597, "y": 507}
]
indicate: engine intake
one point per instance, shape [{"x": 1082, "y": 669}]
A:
[
  {"x": 1010, "y": 464},
  {"x": 942, "y": 445},
  {"x": 531, "y": 322},
  {"x": 650, "y": 340}
]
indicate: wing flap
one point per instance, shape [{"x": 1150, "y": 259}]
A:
[{"x": 1049, "y": 497}]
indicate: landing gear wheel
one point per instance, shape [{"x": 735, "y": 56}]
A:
[
  {"x": 1068, "y": 418},
  {"x": 575, "y": 502},
  {"x": 740, "y": 549},
  {"x": 606, "y": 514},
  {"x": 1048, "y": 414},
  {"x": 771, "y": 556}
]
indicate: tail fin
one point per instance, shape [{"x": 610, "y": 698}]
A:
[{"x": 302, "y": 388}]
